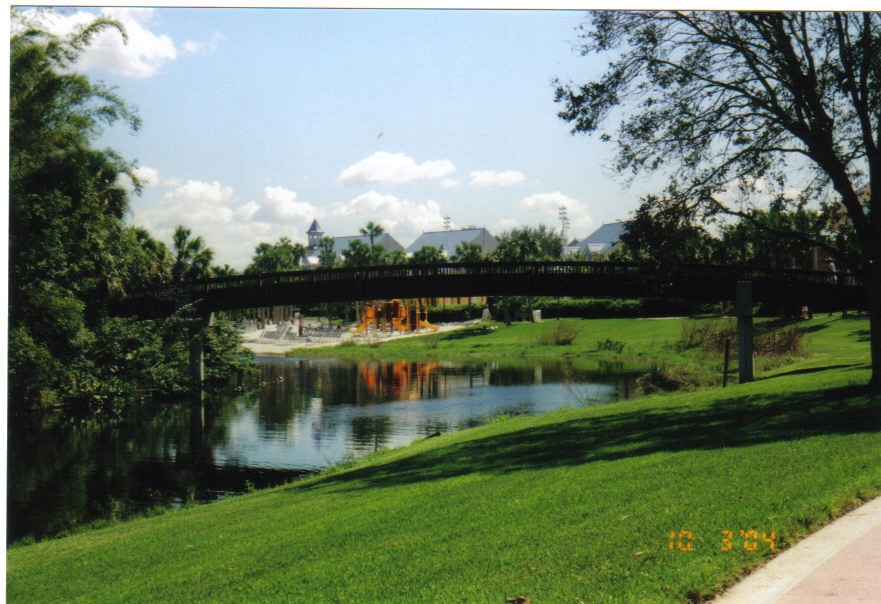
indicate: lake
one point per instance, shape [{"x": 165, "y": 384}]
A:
[{"x": 295, "y": 417}]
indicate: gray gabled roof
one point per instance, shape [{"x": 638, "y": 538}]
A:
[
  {"x": 449, "y": 240},
  {"x": 603, "y": 239},
  {"x": 389, "y": 243}
]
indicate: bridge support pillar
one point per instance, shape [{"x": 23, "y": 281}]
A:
[
  {"x": 197, "y": 351},
  {"x": 744, "y": 311}
]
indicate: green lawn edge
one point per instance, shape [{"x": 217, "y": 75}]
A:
[{"x": 624, "y": 502}]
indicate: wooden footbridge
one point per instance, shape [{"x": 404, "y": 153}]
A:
[{"x": 706, "y": 283}]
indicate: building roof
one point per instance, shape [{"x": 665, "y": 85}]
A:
[
  {"x": 603, "y": 239},
  {"x": 449, "y": 240},
  {"x": 314, "y": 228},
  {"x": 389, "y": 243}
]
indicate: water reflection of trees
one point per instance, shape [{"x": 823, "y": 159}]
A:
[{"x": 64, "y": 471}]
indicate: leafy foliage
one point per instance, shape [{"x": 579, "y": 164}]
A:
[
  {"x": 428, "y": 254},
  {"x": 283, "y": 255},
  {"x": 327, "y": 256},
  {"x": 469, "y": 251},
  {"x": 728, "y": 103},
  {"x": 529, "y": 243},
  {"x": 192, "y": 259},
  {"x": 70, "y": 254}
]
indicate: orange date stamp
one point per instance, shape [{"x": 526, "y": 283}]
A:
[{"x": 750, "y": 540}]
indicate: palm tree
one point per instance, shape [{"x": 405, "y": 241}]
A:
[
  {"x": 372, "y": 230},
  {"x": 192, "y": 260}
]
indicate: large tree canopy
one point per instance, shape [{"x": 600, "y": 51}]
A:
[
  {"x": 70, "y": 254},
  {"x": 725, "y": 100}
]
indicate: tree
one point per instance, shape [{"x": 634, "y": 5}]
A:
[
  {"x": 148, "y": 262},
  {"x": 428, "y": 254},
  {"x": 468, "y": 251},
  {"x": 65, "y": 207},
  {"x": 373, "y": 230},
  {"x": 663, "y": 233},
  {"x": 529, "y": 244},
  {"x": 327, "y": 256},
  {"x": 70, "y": 253},
  {"x": 192, "y": 260},
  {"x": 396, "y": 257},
  {"x": 283, "y": 255},
  {"x": 724, "y": 100},
  {"x": 795, "y": 234},
  {"x": 224, "y": 271},
  {"x": 357, "y": 254}
]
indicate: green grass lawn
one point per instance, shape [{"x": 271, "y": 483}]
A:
[
  {"x": 573, "y": 506},
  {"x": 495, "y": 340}
]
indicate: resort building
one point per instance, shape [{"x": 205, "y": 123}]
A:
[{"x": 448, "y": 241}]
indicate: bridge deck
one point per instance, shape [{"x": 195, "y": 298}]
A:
[{"x": 821, "y": 290}]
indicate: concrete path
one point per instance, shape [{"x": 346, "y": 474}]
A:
[{"x": 839, "y": 563}]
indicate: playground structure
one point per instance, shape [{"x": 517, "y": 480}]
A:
[{"x": 394, "y": 315}]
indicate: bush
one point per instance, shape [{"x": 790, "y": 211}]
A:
[
  {"x": 660, "y": 379},
  {"x": 779, "y": 341},
  {"x": 563, "y": 334},
  {"x": 455, "y": 313},
  {"x": 611, "y": 345},
  {"x": 770, "y": 339},
  {"x": 709, "y": 335}
]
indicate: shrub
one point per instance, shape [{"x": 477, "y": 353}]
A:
[
  {"x": 709, "y": 335},
  {"x": 611, "y": 345},
  {"x": 771, "y": 339},
  {"x": 660, "y": 379},
  {"x": 563, "y": 334},
  {"x": 779, "y": 340}
]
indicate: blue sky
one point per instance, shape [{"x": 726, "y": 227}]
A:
[{"x": 257, "y": 121}]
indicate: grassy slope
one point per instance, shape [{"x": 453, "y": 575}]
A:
[{"x": 576, "y": 505}]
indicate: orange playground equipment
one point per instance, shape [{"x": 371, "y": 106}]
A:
[{"x": 395, "y": 315}]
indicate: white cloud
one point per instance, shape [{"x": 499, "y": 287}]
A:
[
  {"x": 146, "y": 51},
  {"x": 231, "y": 228},
  {"x": 402, "y": 218},
  {"x": 449, "y": 183},
  {"x": 149, "y": 177},
  {"x": 504, "y": 225},
  {"x": 193, "y": 47},
  {"x": 548, "y": 204},
  {"x": 196, "y": 202},
  {"x": 394, "y": 168},
  {"x": 284, "y": 205},
  {"x": 490, "y": 178}
]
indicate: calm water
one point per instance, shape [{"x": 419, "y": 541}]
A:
[{"x": 297, "y": 416}]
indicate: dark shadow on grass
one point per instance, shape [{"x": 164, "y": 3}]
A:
[
  {"x": 463, "y": 334},
  {"x": 734, "y": 422},
  {"x": 810, "y": 370},
  {"x": 862, "y": 335},
  {"x": 814, "y": 328}
]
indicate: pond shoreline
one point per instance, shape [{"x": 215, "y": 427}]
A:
[{"x": 261, "y": 342}]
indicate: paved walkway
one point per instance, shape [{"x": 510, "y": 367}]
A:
[{"x": 839, "y": 563}]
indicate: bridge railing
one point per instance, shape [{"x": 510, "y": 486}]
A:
[
  {"x": 554, "y": 278},
  {"x": 515, "y": 269},
  {"x": 512, "y": 269}
]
